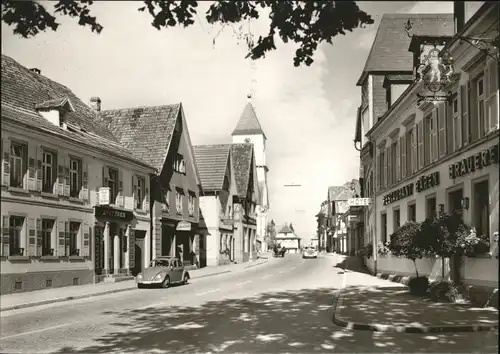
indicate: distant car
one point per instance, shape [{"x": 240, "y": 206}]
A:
[
  {"x": 163, "y": 271},
  {"x": 310, "y": 252}
]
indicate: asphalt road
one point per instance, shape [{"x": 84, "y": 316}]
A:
[{"x": 281, "y": 307}]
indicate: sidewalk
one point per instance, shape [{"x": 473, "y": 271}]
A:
[
  {"x": 68, "y": 293},
  {"x": 370, "y": 303}
]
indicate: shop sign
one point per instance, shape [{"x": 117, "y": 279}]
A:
[
  {"x": 474, "y": 162},
  {"x": 399, "y": 194},
  {"x": 226, "y": 223},
  {"x": 352, "y": 218},
  {"x": 183, "y": 226},
  {"x": 427, "y": 182},
  {"x": 358, "y": 202},
  {"x": 104, "y": 212},
  {"x": 103, "y": 195}
]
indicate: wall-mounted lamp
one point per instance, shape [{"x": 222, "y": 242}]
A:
[
  {"x": 465, "y": 203},
  {"x": 441, "y": 208}
]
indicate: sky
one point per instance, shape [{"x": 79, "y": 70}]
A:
[{"x": 307, "y": 113}]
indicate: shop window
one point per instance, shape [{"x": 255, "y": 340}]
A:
[
  {"x": 75, "y": 173},
  {"x": 47, "y": 229},
  {"x": 430, "y": 207},
  {"x": 412, "y": 212},
  {"x": 455, "y": 201},
  {"x": 16, "y": 224},
  {"x": 18, "y": 164},
  {"x": 383, "y": 227},
  {"x": 49, "y": 165},
  {"x": 396, "y": 219},
  {"x": 481, "y": 210},
  {"x": 74, "y": 230}
]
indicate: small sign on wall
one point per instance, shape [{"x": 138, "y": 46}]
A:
[{"x": 104, "y": 195}]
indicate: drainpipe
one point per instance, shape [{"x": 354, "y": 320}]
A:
[{"x": 375, "y": 236}]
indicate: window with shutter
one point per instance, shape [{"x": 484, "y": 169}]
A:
[
  {"x": 120, "y": 199},
  {"x": 60, "y": 175},
  {"x": 4, "y": 246},
  {"x": 49, "y": 173},
  {"x": 389, "y": 166},
  {"x": 45, "y": 229},
  {"x": 146, "y": 204},
  {"x": 480, "y": 106},
  {"x": 397, "y": 145},
  {"x": 441, "y": 116},
  {"x": 31, "y": 237},
  {"x": 61, "y": 239},
  {"x": 414, "y": 150},
  {"x": 84, "y": 191},
  {"x": 6, "y": 162},
  {"x": 457, "y": 125},
  {"x": 75, "y": 178},
  {"x": 17, "y": 168},
  {"x": 434, "y": 136},
  {"x": 385, "y": 162},
  {"x": 465, "y": 111},
  {"x": 32, "y": 167},
  {"x": 377, "y": 172},
  {"x": 427, "y": 138}
]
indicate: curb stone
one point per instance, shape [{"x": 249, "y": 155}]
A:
[
  {"x": 376, "y": 327},
  {"x": 86, "y": 296},
  {"x": 255, "y": 264}
]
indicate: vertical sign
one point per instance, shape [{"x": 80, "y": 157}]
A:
[{"x": 98, "y": 245}]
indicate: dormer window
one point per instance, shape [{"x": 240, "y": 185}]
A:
[
  {"x": 395, "y": 85},
  {"x": 55, "y": 110}
]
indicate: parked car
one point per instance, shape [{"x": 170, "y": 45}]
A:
[
  {"x": 309, "y": 252},
  {"x": 163, "y": 271}
]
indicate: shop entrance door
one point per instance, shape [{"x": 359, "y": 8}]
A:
[{"x": 139, "y": 249}]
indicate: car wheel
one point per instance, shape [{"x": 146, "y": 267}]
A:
[
  {"x": 166, "y": 282},
  {"x": 186, "y": 279}
]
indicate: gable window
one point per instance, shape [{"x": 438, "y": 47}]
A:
[
  {"x": 178, "y": 201},
  {"x": 191, "y": 198},
  {"x": 18, "y": 164},
  {"x": 112, "y": 184},
  {"x": 48, "y": 171},
  {"x": 480, "y": 107},
  {"x": 179, "y": 164},
  {"x": 47, "y": 228},
  {"x": 75, "y": 172},
  {"x": 141, "y": 187},
  {"x": 457, "y": 127}
]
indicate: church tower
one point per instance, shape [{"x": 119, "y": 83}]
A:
[{"x": 249, "y": 130}]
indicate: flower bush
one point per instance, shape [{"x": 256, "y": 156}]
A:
[
  {"x": 475, "y": 245},
  {"x": 444, "y": 291},
  {"x": 383, "y": 248}
]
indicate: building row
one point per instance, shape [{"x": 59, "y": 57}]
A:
[
  {"x": 89, "y": 194},
  {"x": 422, "y": 155}
]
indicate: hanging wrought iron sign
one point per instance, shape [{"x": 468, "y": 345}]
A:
[{"x": 436, "y": 72}]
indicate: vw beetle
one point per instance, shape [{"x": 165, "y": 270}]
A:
[{"x": 163, "y": 271}]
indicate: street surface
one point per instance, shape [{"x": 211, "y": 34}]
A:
[{"x": 283, "y": 306}]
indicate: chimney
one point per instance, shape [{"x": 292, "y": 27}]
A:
[
  {"x": 36, "y": 71},
  {"x": 95, "y": 103},
  {"x": 459, "y": 15}
]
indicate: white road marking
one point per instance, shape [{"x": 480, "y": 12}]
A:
[
  {"x": 207, "y": 292},
  {"x": 245, "y": 282},
  {"x": 37, "y": 331}
]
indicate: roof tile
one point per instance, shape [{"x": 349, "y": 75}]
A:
[
  {"x": 248, "y": 123},
  {"x": 211, "y": 161},
  {"x": 241, "y": 156}
]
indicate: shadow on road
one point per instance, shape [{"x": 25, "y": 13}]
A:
[
  {"x": 274, "y": 322},
  {"x": 354, "y": 264},
  {"x": 394, "y": 305}
]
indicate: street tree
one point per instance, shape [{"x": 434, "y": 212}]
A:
[
  {"x": 271, "y": 233},
  {"x": 306, "y": 23}
]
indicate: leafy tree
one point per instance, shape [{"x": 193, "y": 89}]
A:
[
  {"x": 307, "y": 23},
  {"x": 408, "y": 242},
  {"x": 271, "y": 233}
]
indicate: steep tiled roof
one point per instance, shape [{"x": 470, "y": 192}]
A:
[
  {"x": 248, "y": 123},
  {"x": 340, "y": 194},
  {"x": 146, "y": 131},
  {"x": 389, "y": 51},
  {"x": 287, "y": 230},
  {"x": 241, "y": 156},
  {"x": 55, "y": 103},
  {"x": 23, "y": 89},
  {"x": 211, "y": 161}
]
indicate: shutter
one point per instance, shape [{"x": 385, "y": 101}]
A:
[
  {"x": 146, "y": 194},
  {"x": 97, "y": 199},
  {"x": 434, "y": 135},
  {"x": 60, "y": 176},
  {"x": 398, "y": 159},
  {"x": 449, "y": 122},
  {"x": 5, "y": 235},
  {"x": 39, "y": 251},
  {"x": 31, "y": 167},
  {"x": 473, "y": 116},
  {"x": 402, "y": 154},
  {"x": 67, "y": 238},
  {"x": 61, "y": 239},
  {"x": 67, "y": 182},
  {"x": 120, "y": 196},
  {"x": 6, "y": 163},
  {"x": 39, "y": 171},
  {"x": 492, "y": 95},
  {"x": 134, "y": 189},
  {"x": 87, "y": 231},
  {"x": 131, "y": 246},
  {"x": 425, "y": 130},
  {"x": 105, "y": 175},
  {"x": 31, "y": 237},
  {"x": 414, "y": 150},
  {"x": 377, "y": 171},
  {"x": 388, "y": 176},
  {"x": 384, "y": 180},
  {"x": 441, "y": 118},
  {"x": 84, "y": 191},
  {"x": 420, "y": 144}
]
